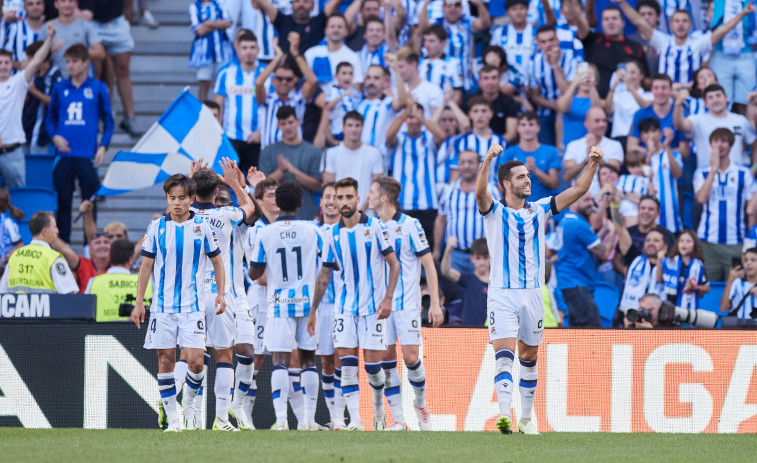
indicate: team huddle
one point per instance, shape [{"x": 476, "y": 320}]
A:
[{"x": 347, "y": 281}]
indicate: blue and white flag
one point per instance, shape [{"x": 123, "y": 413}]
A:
[{"x": 187, "y": 131}]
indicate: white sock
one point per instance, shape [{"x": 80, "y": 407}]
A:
[
  {"x": 309, "y": 377},
  {"x": 243, "y": 376},
  {"x": 249, "y": 399},
  {"x": 350, "y": 388},
  {"x": 393, "y": 391},
  {"x": 198, "y": 399},
  {"x": 296, "y": 398},
  {"x": 337, "y": 416},
  {"x": 327, "y": 383},
  {"x": 167, "y": 389},
  {"x": 376, "y": 380},
  {"x": 528, "y": 376},
  {"x": 224, "y": 381},
  {"x": 416, "y": 375},
  {"x": 194, "y": 382},
  {"x": 280, "y": 391},
  {"x": 180, "y": 374},
  {"x": 503, "y": 380}
]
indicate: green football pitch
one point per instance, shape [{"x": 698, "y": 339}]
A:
[{"x": 79, "y": 445}]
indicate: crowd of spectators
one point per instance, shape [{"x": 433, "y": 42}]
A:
[{"x": 419, "y": 90}]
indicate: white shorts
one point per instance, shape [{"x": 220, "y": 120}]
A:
[
  {"x": 364, "y": 331},
  {"x": 259, "y": 317},
  {"x": 221, "y": 328},
  {"x": 516, "y": 313},
  {"x": 245, "y": 322},
  {"x": 404, "y": 325},
  {"x": 280, "y": 333},
  {"x": 166, "y": 330},
  {"x": 325, "y": 325}
]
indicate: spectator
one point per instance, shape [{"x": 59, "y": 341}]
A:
[
  {"x": 359, "y": 15},
  {"x": 414, "y": 164},
  {"x": 43, "y": 270},
  {"x": 661, "y": 109},
  {"x": 115, "y": 35},
  {"x": 458, "y": 216},
  {"x": 76, "y": 108},
  {"x": 71, "y": 29},
  {"x": 666, "y": 168},
  {"x": 576, "y": 263},
  {"x": 453, "y": 121},
  {"x": 733, "y": 59},
  {"x": 682, "y": 272},
  {"x": 700, "y": 80},
  {"x": 542, "y": 161},
  {"x": 235, "y": 95},
  {"x": 19, "y": 35},
  {"x": 439, "y": 68},
  {"x": 649, "y": 10},
  {"x": 12, "y": 95},
  {"x": 633, "y": 186},
  {"x": 430, "y": 96},
  {"x": 210, "y": 47},
  {"x": 293, "y": 159},
  {"x": 625, "y": 97},
  {"x": 145, "y": 16},
  {"x": 475, "y": 284},
  {"x": 702, "y": 125},
  {"x": 323, "y": 59},
  {"x": 35, "y": 108},
  {"x": 505, "y": 109},
  {"x": 352, "y": 158},
  {"x": 518, "y": 38},
  {"x": 341, "y": 98},
  {"x": 572, "y": 105},
  {"x": 10, "y": 239},
  {"x": 310, "y": 28},
  {"x": 375, "y": 48},
  {"x": 739, "y": 291},
  {"x": 481, "y": 136},
  {"x": 724, "y": 189},
  {"x": 641, "y": 278},
  {"x": 576, "y": 153},
  {"x": 631, "y": 239},
  {"x": 511, "y": 81}
]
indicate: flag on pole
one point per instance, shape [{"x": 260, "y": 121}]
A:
[{"x": 187, "y": 131}]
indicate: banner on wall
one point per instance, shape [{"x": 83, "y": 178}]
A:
[{"x": 98, "y": 376}]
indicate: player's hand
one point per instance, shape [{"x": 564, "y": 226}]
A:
[
  {"x": 494, "y": 151},
  {"x": 61, "y": 144},
  {"x": 294, "y": 43},
  {"x": 195, "y": 166},
  {"x": 748, "y": 8},
  {"x": 229, "y": 169},
  {"x": 384, "y": 308},
  {"x": 220, "y": 304},
  {"x": 596, "y": 154},
  {"x": 138, "y": 314},
  {"x": 254, "y": 176},
  {"x": 99, "y": 157},
  {"x": 311, "y": 323},
  {"x": 435, "y": 315},
  {"x": 736, "y": 272}
]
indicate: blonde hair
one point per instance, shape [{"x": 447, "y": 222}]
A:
[{"x": 113, "y": 226}]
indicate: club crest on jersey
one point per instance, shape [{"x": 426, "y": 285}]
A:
[
  {"x": 88, "y": 94},
  {"x": 367, "y": 232},
  {"x": 399, "y": 229},
  {"x": 197, "y": 229}
]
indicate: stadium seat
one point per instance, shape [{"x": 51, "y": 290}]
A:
[
  {"x": 711, "y": 300},
  {"x": 23, "y": 230},
  {"x": 39, "y": 170},
  {"x": 31, "y": 199},
  {"x": 606, "y": 296}
]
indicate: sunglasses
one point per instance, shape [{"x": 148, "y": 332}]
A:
[{"x": 283, "y": 79}]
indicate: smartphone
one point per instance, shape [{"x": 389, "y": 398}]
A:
[
  {"x": 735, "y": 262},
  {"x": 621, "y": 66}
]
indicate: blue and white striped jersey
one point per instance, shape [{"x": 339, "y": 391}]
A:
[
  {"x": 632, "y": 184},
  {"x": 460, "y": 45},
  {"x": 369, "y": 58},
  {"x": 359, "y": 253},
  {"x": 237, "y": 270},
  {"x": 180, "y": 251},
  {"x": 537, "y": 16},
  {"x": 256, "y": 291},
  {"x": 19, "y": 36},
  {"x": 263, "y": 29},
  {"x": 377, "y": 116},
  {"x": 442, "y": 72},
  {"x": 723, "y": 216},
  {"x": 739, "y": 288},
  {"x": 473, "y": 142},
  {"x": 270, "y": 132},
  {"x": 288, "y": 249},
  {"x": 240, "y": 110},
  {"x": 680, "y": 61},
  {"x": 518, "y": 45},
  {"x": 222, "y": 220},
  {"x": 345, "y": 105},
  {"x": 328, "y": 296},
  {"x": 213, "y": 48},
  {"x": 666, "y": 189},
  {"x": 410, "y": 244},
  {"x": 414, "y": 166},
  {"x": 464, "y": 221},
  {"x": 516, "y": 243},
  {"x": 444, "y": 159},
  {"x": 541, "y": 75}
]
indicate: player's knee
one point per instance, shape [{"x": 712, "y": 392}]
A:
[
  {"x": 307, "y": 358},
  {"x": 244, "y": 350},
  {"x": 167, "y": 363}
]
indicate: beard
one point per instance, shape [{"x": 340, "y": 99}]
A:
[
  {"x": 348, "y": 212},
  {"x": 520, "y": 193}
]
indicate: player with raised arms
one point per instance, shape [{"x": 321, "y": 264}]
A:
[
  {"x": 404, "y": 324},
  {"x": 514, "y": 230},
  {"x": 359, "y": 248},
  {"x": 181, "y": 244},
  {"x": 288, "y": 250}
]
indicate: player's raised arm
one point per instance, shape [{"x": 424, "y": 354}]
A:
[
  {"x": 571, "y": 195},
  {"x": 483, "y": 197}
]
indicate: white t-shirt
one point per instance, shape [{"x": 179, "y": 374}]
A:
[
  {"x": 704, "y": 124},
  {"x": 576, "y": 151},
  {"x": 429, "y": 96},
  {"x": 361, "y": 164},
  {"x": 12, "y": 95},
  {"x": 625, "y": 107},
  {"x": 319, "y": 57}
]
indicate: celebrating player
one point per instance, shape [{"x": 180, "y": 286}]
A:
[
  {"x": 364, "y": 294},
  {"x": 514, "y": 231},
  {"x": 404, "y": 323},
  {"x": 287, "y": 250},
  {"x": 177, "y": 242}
]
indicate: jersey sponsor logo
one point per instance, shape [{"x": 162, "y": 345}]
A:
[
  {"x": 278, "y": 299},
  {"x": 88, "y": 93},
  {"x": 75, "y": 112},
  {"x": 237, "y": 90}
]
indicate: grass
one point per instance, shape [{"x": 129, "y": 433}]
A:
[{"x": 116, "y": 445}]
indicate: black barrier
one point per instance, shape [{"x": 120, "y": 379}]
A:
[{"x": 84, "y": 374}]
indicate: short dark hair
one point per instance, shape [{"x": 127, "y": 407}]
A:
[
  {"x": 489, "y": 68},
  {"x": 611, "y": 8},
  {"x": 680, "y": 11},
  {"x": 120, "y": 252},
  {"x": 505, "y": 170},
  {"x": 479, "y": 248},
  {"x": 651, "y": 4},
  {"x": 649, "y": 124},
  {"x": 354, "y": 115},
  {"x": 343, "y": 64},
  {"x": 529, "y": 116},
  {"x": 346, "y": 182},
  {"x": 264, "y": 185},
  {"x": 206, "y": 181},
  {"x": 606, "y": 165},
  {"x": 545, "y": 28},
  {"x": 634, "y": 158},
  {"x": 389, "y": 187},
  {"x": 372, "y": 19},
  {"x": 39, "y": 221},
  {"x": 77, "y": 51},
  {"x": 180, "y": 180},
  {"x": 661, "y": 76},
  {"x": 6, "y": 53},
  {"x": 438, "y": 30},
  {"x": 285, "y": 112},
  {"x": 32, "y": 49},
  {"x": 498, "y": 50},
  {"x": 327, "y": 185},
  {"x": 477, "y": 100},
  {"x": 336, "y": 15},
  {"x": 654, "y": 200},
  {"x": 211, "y": 104},
  {"x": 751, "y": 251},
  {"x": 712, "y": 88},
  {"x": 246, "y": 35},
  {"x": 386, "y": 71},
  {"x": 289, "y": 196},
  {"x": 723, "y": 134}
]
